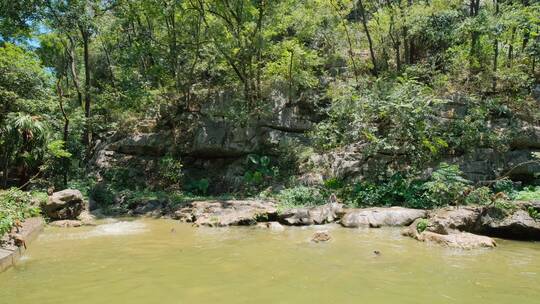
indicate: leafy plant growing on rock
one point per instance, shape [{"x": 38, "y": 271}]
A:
[{"x": 422, "y": 225}]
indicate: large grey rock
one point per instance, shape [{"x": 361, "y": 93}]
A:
[
  {"x": 517, "y": 225},
  {"x": 377, "y": 217},
  {"x": 312, "y": 215},
  {"x": 64, "y": 205},
  {"x": 452, "y": 219},
  {"x": 227, "y": 213}
]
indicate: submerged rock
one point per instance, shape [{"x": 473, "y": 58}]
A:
[
  {"x": 321, "y": 236},
  {"x": 312, "y": 215},
  {"x": 64, "y": 205},
  {"x": 462, "y": 240},
  {"x": 227, "y": 213},
  {"x": 87, "y": 219},
  {"x": 377, "y": 217},
  {"x": 271, "y": 225},
  {"x": 66, "y": 223}
]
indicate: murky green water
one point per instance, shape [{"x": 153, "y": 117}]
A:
[{"x": 144, "y": 262}]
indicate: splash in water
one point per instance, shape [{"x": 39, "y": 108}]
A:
[{"x": 111, "y": 229}]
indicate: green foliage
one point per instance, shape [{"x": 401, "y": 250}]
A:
[
  {"x": 259, "y": 170},
  {"x": 56, "y": 149},
  {"x": 504, "y": 185},
  {"x": 397, "y": 190},
  {"x": 533, "y": 213},
  {"x": 506, "y": 207},
  {"x": 422, "y": 225},
  {"x": 394, "y": 119},
  {"x": 528, "y": 194},
  {"x": 300, "y": 196},
  {"x": 446, "y": 186},
  {"x": 333, "y": 184},
  {"x": 479, "y": 196},
  {"x": 198, "y": 186},
  {"x": 16, "y": 205},
  {"x": 170, "y": 169}
]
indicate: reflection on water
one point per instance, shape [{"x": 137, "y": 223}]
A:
[{"x": 146, "y": 261}]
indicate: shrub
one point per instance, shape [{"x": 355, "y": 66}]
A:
[
  {"x": 446, "y": 186},
  {"x": 504, "y": 185},
  {"x": 198, "y": 186},
  {"x": 528, "y": 194},
  {"x": 170, "y": 169},
  {"x": 299, "y": 197},
  {"x": 259, "y": 170},
  {"x": 16, "y": 205},
  {"x": 397, "y": 190},
  {"x": 533, "y": 213},
  {"x": 479, "y": 196}
]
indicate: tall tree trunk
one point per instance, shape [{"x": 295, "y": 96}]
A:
[
  {"x": 349, "y": 41},
  {"x": 474, "y": 7},
  {"x": 495, "y": 49},
  {"x": 511, "y": 48},
  {"x": 87, "y": 86},
  {"x": 5, "y": 168},
  {"x": 65, "y": 161},
  {"x": 73, "y": 69},
  {"x": 370, "y": 42}
]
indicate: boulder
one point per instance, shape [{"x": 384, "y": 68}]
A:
[
  {"x": 377, "y": 217},
  {"x": 66, "y": 223},
  {"x": 64, "y": 205},
  {"x": 227, "y": 213},
  {"x": 321, "y": 236},
  {"x": 312, "y": 215},
  {"x": 516, "y": 225},
  {"x": 449, "y": 220}
]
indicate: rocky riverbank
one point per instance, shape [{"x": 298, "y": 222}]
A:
[{"x": 464, "y": 227}]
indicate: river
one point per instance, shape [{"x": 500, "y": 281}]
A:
[{"x": 164, "y": 261}]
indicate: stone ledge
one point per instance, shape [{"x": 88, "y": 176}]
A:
[{"x": 31, "y": 228}]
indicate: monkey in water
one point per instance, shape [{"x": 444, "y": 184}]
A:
[{"x": 19, "y": 240}]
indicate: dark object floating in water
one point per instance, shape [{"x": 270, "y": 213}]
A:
[{"x": 377, "y": 252}]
